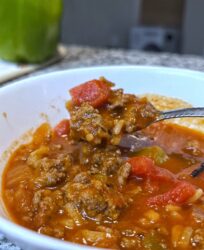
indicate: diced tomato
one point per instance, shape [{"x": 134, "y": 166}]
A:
[
  {"x": 94, "y": 92},
  {"x": 62, "y": 128},
  {"x": 177, "y": 195},
  {"x": 144, "y": 167}
]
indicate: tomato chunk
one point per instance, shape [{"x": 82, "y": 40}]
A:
[
  {"x": 94, "y": 92},
  {"x": 144, "y": 167},
  {"x": 177, "y": 195},
  {"x": 62, "y": 128}
]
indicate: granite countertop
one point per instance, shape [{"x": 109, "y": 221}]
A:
[{"x": 77, "y": 56}]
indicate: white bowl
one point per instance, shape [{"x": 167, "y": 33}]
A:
[{"x": 26, "y": 102}]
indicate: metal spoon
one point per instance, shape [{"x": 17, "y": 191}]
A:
[
  {"x": 134, "y": 142},
  {"x": 179, "y": 113}
]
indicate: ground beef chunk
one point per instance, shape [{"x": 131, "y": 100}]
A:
[
  {"x": 50, "y": 172},
  {"x": 92, "y": 202},
  {"x": 45, "y": 203},
  {"x": 52, "y": 176},
  {"x": 105, "y": 161},
  {"x": 137, "y": 117},
  {"x": 96, "y": 192},
  {"x": 118, "y": 100},
  {"x": 123, "y": 113},
  {"x": 146, "y": 113},
  {"x": 136, "y": 113},
  {"x": 87, "y": 124},
  {"x": 83, "y": 178},
  {"x": 95, "y": 199}
]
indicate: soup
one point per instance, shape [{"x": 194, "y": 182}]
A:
[{"x": 77, "y": 182}]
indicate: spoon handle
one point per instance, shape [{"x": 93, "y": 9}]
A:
[
  {"x": 133, "y": 142},
  {"x": 179, "y": 113}
]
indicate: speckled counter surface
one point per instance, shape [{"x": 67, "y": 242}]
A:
[{"x": 83, "y": 57}]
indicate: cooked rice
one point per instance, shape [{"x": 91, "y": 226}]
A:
[{"x": 168, "y": 103}]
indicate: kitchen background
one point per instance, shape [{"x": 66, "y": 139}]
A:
[
  {"x": 99, "y": 32},
  {"x": 153, "y": 25}
]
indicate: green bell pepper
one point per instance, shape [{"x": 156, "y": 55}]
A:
[
  {"x": 29, "y": 29},
  {"x": 153, "y": 241},
  {"x": 156, "y": 153}
]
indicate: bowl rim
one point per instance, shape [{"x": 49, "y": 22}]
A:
[
  {"x": 9, "y": 227},
  {"x": 156, "y": 69}
]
